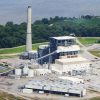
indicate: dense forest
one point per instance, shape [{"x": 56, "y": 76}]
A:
[{"x": 15, "y": 34}]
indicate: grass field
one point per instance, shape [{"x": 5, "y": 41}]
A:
[
  {"x": 6, "y": 96},
  {"x": 89, "y": 40},
  {"x": 83, "y": 40},
  {"x": 95, "y": 98},
  {"x": 19, "y": 49},
  {"x": 96, "y": 53},
  {"x": 9, "y": 56}
]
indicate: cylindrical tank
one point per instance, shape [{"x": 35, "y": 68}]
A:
[
  {"x": 25, "y": 70},
  {"x": 18, "y": 72},
  {"x": 31, "y": 73}
]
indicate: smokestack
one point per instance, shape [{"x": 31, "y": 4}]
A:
[{"x": 29, "y": 31}]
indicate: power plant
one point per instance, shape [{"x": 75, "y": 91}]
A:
[
  {"x": 58, "y": 61},
  {"x": 55, "y": 68}
]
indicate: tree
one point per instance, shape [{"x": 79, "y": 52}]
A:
[
  {"x": 15, "y": 34},
  {"x": 45, "y": 21}
]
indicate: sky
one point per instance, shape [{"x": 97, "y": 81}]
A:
[{"x": 16, "y": 10}]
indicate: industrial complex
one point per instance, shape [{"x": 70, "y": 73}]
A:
[{"x": 55, "y": 68}]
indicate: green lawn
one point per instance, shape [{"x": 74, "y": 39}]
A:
[
  {"x": 19, "y": 49},
  {"x": 89, "y": 40},
  {"x": 12, "y": 50}
]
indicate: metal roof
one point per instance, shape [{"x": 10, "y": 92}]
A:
[{"x": 63, "y": 37}]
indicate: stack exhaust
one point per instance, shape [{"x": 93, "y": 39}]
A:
[
  {"x": 29, "y": 53},
  {"x": 29, "y": 30}
]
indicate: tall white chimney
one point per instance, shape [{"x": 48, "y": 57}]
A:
[{"x": 29, "y": 30}]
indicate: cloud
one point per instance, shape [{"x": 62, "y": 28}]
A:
[{"x": 15, "y": 10}]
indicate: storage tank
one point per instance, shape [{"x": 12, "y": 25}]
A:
[
  {"x": 25, "y": 70},
  {"x": 31, "y": 73},
  {"x": 18, "y": 72}
]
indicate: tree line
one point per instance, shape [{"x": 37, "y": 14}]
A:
[{"x": 12, "y": 35}]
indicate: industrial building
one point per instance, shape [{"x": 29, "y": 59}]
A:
[
  {"x": 58, "y": 46},
  {"x": 62, "y": 54},
  {"x": 55, "y": 85},
  {"x": 61, "y": 58},
  {"x": 72, "y": 66},
  {"x": 64, "y": 58}
]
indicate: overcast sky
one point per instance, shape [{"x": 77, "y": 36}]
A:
[{"x": 15, "y": 10}]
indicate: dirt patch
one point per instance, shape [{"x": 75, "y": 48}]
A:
[{"x": 6, "y": 96}]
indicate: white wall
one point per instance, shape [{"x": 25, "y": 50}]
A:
[
  {"x": 42, "y": 71},
  {"x": 70, "y": 67}
]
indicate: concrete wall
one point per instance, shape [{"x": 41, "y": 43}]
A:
[{"x": 70, "y": 67}]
